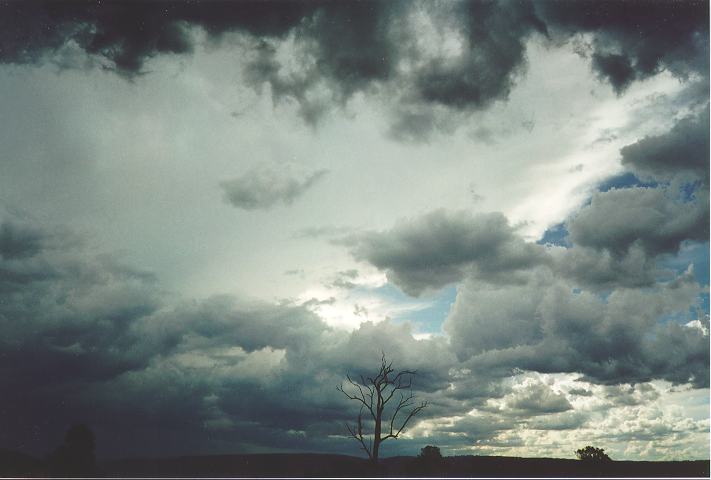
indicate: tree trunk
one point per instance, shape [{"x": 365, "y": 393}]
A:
[{"x": 376, "y": 437}]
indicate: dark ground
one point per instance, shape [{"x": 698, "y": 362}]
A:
[{"x": 312, "y": 465}]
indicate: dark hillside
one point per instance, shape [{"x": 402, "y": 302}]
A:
[
  {"x": 312, "y": 465},
  {"x": 14, "y": 464}
]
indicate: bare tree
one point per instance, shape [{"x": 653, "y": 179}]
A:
[{"x": 374, "y": 394}]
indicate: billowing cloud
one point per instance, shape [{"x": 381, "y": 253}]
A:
[
  {"x": 439, "y": 60},
  {"x": 684, "y": 150},
  {"x": 124, "y": 36},
  {"x": 440, "y": 248},
  {"x": 266, "y": 186},
  {"x": 615, "y": 340},
  {"x": 635, "y": 40},
  {"x": 537, "y": 399},
  {"x": 650, "y": 217}
]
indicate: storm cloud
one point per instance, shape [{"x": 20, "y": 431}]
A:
[
  {"x": 634, "y": 40},
  {"x": 386, "y": 47},
  {"x": 212, "y": 212}
]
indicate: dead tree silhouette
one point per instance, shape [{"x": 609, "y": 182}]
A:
[{"x": 374, "y": 394}]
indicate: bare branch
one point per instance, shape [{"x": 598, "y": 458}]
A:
[
  {"x": 399, "y": 385},
  {"x": 414, "y": 412},
  {"x": 358, "y": 434},
  {"x": 363, "y": 398},
  {"x": 373, "y": 393}
]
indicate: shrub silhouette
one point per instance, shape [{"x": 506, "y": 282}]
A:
[
  {"x": 428, "y": 462},
  {"x": 592, "y": 454},
  {"x": 431, "y": 454},
  {"x": 76, "y": 456}
]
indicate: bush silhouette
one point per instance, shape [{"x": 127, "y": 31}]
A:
[
  {"x": 76, "y": 456},
  {"x": 429, "y": 461},
  {"x": 592, "y": 454}
]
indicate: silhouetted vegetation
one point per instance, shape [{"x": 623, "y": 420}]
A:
[
  {"x": 592, "y": 454},
  {"x": 429, "y": 462},
  {"x": 76, "y": 456},
  {"x": 374, "y": 395}
]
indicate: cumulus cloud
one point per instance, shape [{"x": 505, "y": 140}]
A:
[
  {"x": 536, "y": 398},
  {"x": 684, "y": 150},
  {"x": 440, "y": 248},
  {"x": 595, "y": 307},
  {"x": 650, "y": 217},
  {"x": 616, "y": 340},
  {"x": 266, "y": 186}
]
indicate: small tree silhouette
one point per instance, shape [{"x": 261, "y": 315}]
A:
[
  {"x": 75, "y": 457},
  {"x": 374, "y": 395},
  {"x": 430, "y": 461},
  {"x": 430, "y": 453},
  {"x": 592, "y": 454}
]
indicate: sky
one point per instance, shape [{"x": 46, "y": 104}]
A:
[{"x": 212, "y": 212}]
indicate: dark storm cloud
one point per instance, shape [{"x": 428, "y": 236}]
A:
[
  {"x": 85, "y": 337},
  {"x": 494, "y": 45},
  {"x": 126, "y": 34},
  {"x": 17, "y": 241},
  {"x": 635, "y": 39},
  {"x": 362, "y": 46},
  {"x": 349, "y": 47},
  {"x": 615, "y": 68},
  {"x": 69, "y": 316},
  {"x": 264, "y": 187},
  {"x": 682, "y": 150},
  {"x": 440, "y": 248}
]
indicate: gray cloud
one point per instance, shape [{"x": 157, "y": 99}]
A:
[
  {"x": 567, "y": 420},
  {"x": 651, "y": 217},
  {"x": 610, "y": 341},
  {"x": 603, "y": 270},
  {"x": 350, "y": 47},
  {"x": 125, "y": 35},
  {"x": 538, "y": 399},
  {"x": 682, "y": 150},
  {"x": 634, "y": 40},
  {"x": 440, "y": 248},
  {"x": 17, "y": 241},
  {"x": 615, "y": 68},
  {"x": 264, "y": 187}
]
